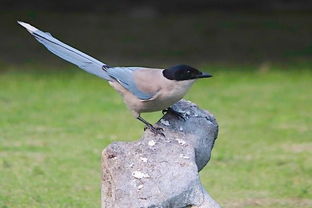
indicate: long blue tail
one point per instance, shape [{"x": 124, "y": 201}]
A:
[{"x": 68, "y": 53}]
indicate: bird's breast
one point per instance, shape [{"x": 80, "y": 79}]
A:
[{"x": 168, "y": 94}]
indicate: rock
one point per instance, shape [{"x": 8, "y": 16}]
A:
[{"x": 161, "y": 172}]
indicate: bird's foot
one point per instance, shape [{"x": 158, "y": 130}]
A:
[
  {"x": 155, "y": 130},
  {"x": 176, "y": 113}
]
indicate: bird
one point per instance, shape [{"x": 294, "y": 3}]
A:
[{"x": 143, "y": 89}]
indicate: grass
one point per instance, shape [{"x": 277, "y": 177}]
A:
[{"x": 54, "y": 125}]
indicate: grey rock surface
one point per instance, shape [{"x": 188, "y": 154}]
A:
[{"x": 161, "y": 171}]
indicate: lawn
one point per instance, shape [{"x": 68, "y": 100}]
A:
[{"x": 55, "y": 123}]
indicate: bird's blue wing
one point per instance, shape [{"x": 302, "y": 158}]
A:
[
  {"x": 68, "y": 53},
  {"x": 124, "y": 75}
]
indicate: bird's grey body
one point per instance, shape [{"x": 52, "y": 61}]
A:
[
  {"x": 164, "y": 92},
  {"x": 143, "y": 89}
]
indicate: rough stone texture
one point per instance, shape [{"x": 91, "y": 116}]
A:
[{"x": 161, "y": 172}]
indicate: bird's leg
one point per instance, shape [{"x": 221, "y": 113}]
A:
[
  {"x": 176, "y": 113},
  {"x": 151, "y": 127}
]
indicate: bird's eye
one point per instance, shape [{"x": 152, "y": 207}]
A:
[{"x": 188, "y": 71}]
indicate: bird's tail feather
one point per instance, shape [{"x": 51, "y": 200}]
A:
[{"x": 68, "y": 53}]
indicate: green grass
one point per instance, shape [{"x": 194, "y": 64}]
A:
[{"x": 54, "y": 125}]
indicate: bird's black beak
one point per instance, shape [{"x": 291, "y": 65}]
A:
[{"x": 203, "y": 75}]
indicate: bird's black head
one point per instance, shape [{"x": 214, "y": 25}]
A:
[{"x": 184, "y": 72}]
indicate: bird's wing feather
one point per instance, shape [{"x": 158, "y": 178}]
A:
[
  {"x": 68, "y": 53},
  {"x": 125, "y": 76}
]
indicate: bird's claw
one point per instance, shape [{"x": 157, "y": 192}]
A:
[
  {"x": 176, "y": 113},
  {"x": 155, "y": 130}
]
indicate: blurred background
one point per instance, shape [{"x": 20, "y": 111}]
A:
[
  {"x": 163, "y": 32},
  {"x": 56, "y": 119}
]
